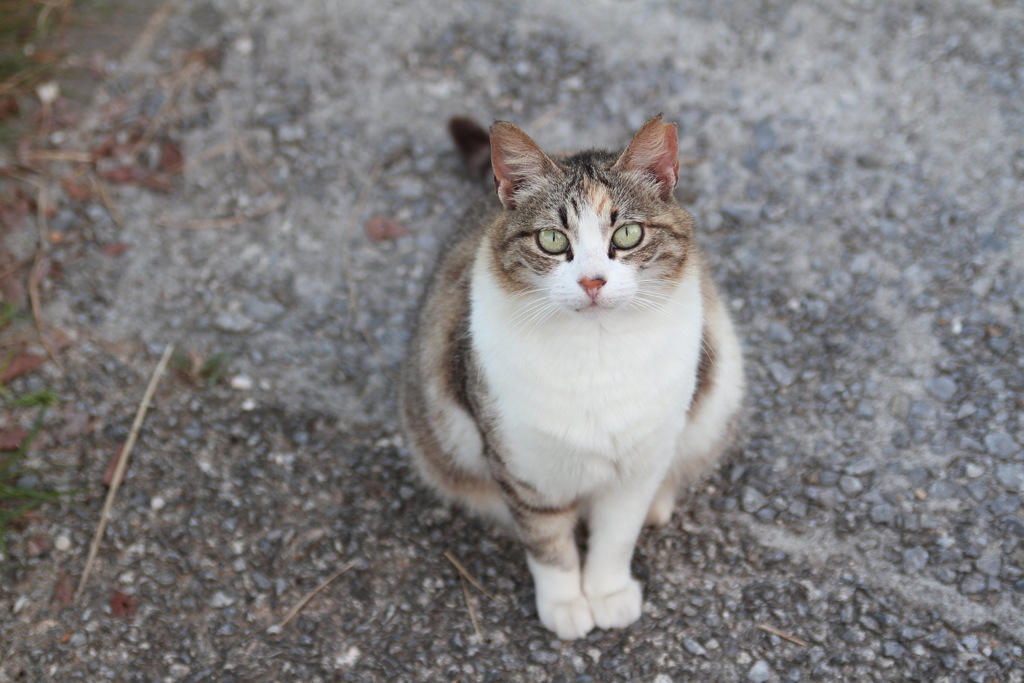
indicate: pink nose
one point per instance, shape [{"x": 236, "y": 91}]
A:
[{"x": 592, "y": 285}]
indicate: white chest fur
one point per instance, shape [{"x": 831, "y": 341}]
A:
[{"x": 583, "y": 399}]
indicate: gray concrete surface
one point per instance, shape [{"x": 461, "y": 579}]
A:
[{"x": 856, "y": 168}]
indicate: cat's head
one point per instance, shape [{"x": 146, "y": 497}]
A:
[{"x": 591, "y": 232}]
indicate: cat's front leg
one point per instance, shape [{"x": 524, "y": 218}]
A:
[
  {"x": 561, "y": 605},
  {"x": 554, "y": 562},
  {"x": 616, "y": 517}
]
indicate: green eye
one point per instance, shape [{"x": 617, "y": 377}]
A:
[
  {"x": 552, "y": 241},
  {"x": 628, "y": 236}
]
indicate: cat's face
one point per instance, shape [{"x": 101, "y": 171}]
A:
[{"x": 590, "y": 233}]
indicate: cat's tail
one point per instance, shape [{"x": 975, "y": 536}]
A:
[{"x": 474, "y": 144}]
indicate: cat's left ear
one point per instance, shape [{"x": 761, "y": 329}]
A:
[
  {"x": 654, "y": 151},
  {"x": 517, "y": 161}
]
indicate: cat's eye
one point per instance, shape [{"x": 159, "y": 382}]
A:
[
  {"x": 553, "y": 241},
  {"x": 628, "y": 236}
]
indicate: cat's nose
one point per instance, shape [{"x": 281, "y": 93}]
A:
[{"x": 592, "y": 285}]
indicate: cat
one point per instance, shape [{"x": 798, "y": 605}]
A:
[{"x": 572, "y": 361}]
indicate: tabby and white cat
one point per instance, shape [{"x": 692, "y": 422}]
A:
[{"x": 573, "y": 361}]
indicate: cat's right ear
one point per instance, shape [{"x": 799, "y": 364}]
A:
[{"x": 517, "y": 162}]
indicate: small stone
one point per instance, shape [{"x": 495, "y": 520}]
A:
[
  {"x": 62, "y": 543},
  {"x": 899, "y": 407},
  {"x": 694, "y": 648},
  {"x": 263, "y": 311},
  {"x": 966, "y": 410},
  {"x": 290, "y": 132},
  {"x": 248, "y": 405},
  {"x": 156, "y": 503},
  {"x": 752, "y": 500},
  {"x": 943, "y": 489},
  {"x": 1001, "y": 445},
  {"x": 261, "y": 581},
  {"x": 850, "y": 486},
  {"x": 1005, "y": 505},
  {"x": 915, "y": 559},
  {"x": 780, "y": 333},
  {"x": 232, "y": 322},
  {"x": 990, "y": 565},
  {"x": 1011, "y": 476},
  {"x": 860, "y": 466},
  {"x": 865, "y": 410},
  {"x": 942, "y": 388},
  {"x": 973, "y": 471},
  {"x": 973, "y": 585},
  {"x": 892, "y": 648},
  {"x": 883, "y": 513},
  {"x": 221, "y": 599},
  {"x": 781, "y": 374},
  {"x": 241, "y": 382},
  {"x": 760, "y": 672}
]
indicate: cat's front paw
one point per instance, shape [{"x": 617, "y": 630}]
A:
[
  {"x": 569, "y": 619},
  {"x": 619, "y": 608}
]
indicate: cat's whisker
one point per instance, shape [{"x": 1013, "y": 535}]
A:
[{"x": 530, "y": 311}]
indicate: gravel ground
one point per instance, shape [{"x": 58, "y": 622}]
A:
[{"x": 856, "y": 169}]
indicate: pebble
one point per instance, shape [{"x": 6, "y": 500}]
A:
[
  {"x": 760, "y": 672},
  {"x": 781, "y": 373},
  {"x": 241, "y": 382},
  {"x": 62, "y": 543},
  {"x": 990, "y": 565},
  {"x": 1001, "y": 445},
  {"x": 694, "y": 648},
  {"x": 232, "y": 322},
  {"x": 892, "y": 648},
  {"x": 850, "y": 486},
  {"x": 156, "y": 503},
  {"x": 915, "y": 559},
  {"x": 752, "y": 500},
  {"x": 973, "y": 584},
  {"x": 221, "y": 599},
  {"x": 942, "y": 388},
  {"x": 1011, "y": 476},
  {"x": 973, "y": 471},
  {"x": 965, "y": 411},
  {"x": 861, "y": 466},
  {"x": 1005, "y": 505},
  {"x": 883, "y": 513}
]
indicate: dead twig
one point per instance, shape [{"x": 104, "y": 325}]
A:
[
  {"x": 40, "y": 266},
  {"x": 103, "y": 192},
  {"x": 785, "y": 636},
  {"x": 226, "y": 222},
  {"x": 60, "y": 155},
  {"x": 276, "y": 628},
  {"x": 472, "y": 612},
  {"x": 122, "y": 464},
  {"x": 140, "y": 48},
  {"x": 465, "y": 573}
]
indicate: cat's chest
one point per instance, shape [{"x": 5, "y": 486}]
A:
[{"x": 587, "y": 393}]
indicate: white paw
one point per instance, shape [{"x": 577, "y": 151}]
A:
[
  {"x": 569, "y": 619},
  {"x": 619, "y": 608}
]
